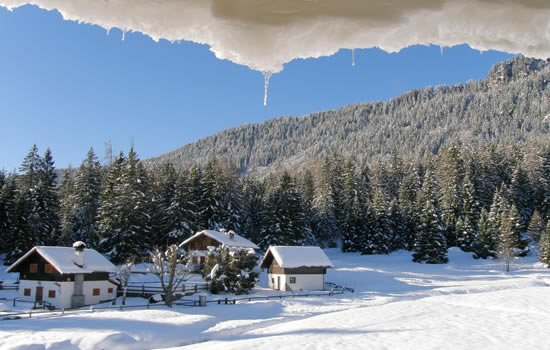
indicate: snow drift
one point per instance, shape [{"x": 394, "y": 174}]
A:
[{"x": 264, "y": 35}]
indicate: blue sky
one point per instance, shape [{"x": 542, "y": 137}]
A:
[{"x": 69, "y": 87}]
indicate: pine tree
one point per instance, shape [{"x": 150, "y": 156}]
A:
[
  {"x": 381, "y": 227},
  {"x": 124, "y": 216},
  {"x": 8, "y": 195},
  {"x": 507, "y": 240},
  {"x": 407, "y": 204},
  {"x": 287, "y": 224},
  {"x": 47, "y": 201},
  {"x": 485, "y": 240},
  {"x": 521, "y": 195},
  {"x": 536, "y": 226},
  {"x": 544, "y": 247},
  {"x": 166, "y": 214},
  {"x": 67, "y": 208},
  {"x": 467, "y": 232},
  {"x": 253, "y": 209},
  {"x": 451, "y": 177},
  {"x": 326, "y": 221},
  {"x": 430, "y": 244},
  {"x": 86, "y": 198}
]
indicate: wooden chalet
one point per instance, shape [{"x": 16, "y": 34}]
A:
[{"x": 65, "y": 277}]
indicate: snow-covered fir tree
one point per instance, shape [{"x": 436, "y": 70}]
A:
[
  {"x": 485, "y": 240},
  {"x": 544, "y": 246},
  {"x": 430, "y": 244}
]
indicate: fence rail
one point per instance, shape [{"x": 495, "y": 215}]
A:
[{"x": 146, "y": 291}]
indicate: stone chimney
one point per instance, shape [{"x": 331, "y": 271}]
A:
[{"x": 79, "y": 253}]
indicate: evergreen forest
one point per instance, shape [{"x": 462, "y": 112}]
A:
[{"x": 492, "y": 201}]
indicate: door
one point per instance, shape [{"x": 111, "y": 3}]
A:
[
  {"x": 39, "y": 291},
  {"x": 278, "y": 283}
]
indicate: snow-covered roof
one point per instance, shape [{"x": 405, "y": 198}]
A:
[
  {"x": 228, "y": 239},
  {"x": 63, "y": 260},
  {"x": 297, "y": 256}
]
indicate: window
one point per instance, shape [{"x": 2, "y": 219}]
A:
[
  {"x": 48, "y": 268},
  {"x": 292, "y": 279},
  {"x": 194, "y": 260},
  {"x": 33, "y": 268},
  {"x": 95, "y": 291},
  {"x": 51, "y": 294},
  {"x": 110, "y": 290},
  {"x": 27, "y": 292},
  {"x": 203, "y": 259}
]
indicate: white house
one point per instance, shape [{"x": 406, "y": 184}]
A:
[
  {"x": 65, "y": 277},
  {"x": 296, "y": 268},
  {"x": 198, "y": 244}
]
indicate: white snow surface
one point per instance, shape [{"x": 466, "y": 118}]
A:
[
  {"x": 397, "y": 304},
  {"x": 63, "y": 260},
  {"x": 264, "y": 35},
  {"x": 293, "y": 256},
  {"x": 223, "y": 237}
]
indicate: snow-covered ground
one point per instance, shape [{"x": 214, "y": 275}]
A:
[{"x": 466, "y": 304}]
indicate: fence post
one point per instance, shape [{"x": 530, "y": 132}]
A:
[
  {"x": 62, "y": 311},
  {"x": 196, "y": 290},
  {"x": 30, "y": 313},
  {"x": 143, "y": 290},
  {"x": 14, "y": 301}
]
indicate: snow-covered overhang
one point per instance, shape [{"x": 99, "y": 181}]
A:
[{"x": 265, "y": 34}]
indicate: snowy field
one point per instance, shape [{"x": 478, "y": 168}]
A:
[{"x": 466, "y": 304}]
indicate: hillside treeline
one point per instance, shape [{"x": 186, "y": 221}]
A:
[
  {"x": 481, "y": 199},
  {"x": 511, "y": 105}
]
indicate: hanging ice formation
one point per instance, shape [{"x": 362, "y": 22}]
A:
[
  {"x": 108, "y": 31},
  {"x": 353, "y": 57},
  {"x": 267, "y": 75},
  {"x": 123, "y": 34},
  {"x": 441, "y": 47}
]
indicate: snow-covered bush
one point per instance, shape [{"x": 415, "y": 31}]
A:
[{"x": 231, "y": 271}]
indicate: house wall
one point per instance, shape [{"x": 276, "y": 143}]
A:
[
  {"x": 64, "y": 292},
  {"x": 303, "y": 282},
  {"x": 202, "y": 242},
  {"x": 90, "y": 299}
]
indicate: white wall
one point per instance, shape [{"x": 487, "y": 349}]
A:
[
  {"x": 90, "y": 299},
  {"x": 303, "y": 282},
  {"x": 64, "y": 291}
]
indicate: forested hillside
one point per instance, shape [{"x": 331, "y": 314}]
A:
[
  {"x": 510, "y": 105},
  {"x": 488, "y": 192}
]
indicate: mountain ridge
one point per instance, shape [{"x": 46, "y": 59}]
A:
[{"x": 508, "y": 106}]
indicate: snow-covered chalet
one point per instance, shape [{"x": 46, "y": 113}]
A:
[
  {"x": 292, "y": 268},
  {"x": 198, "y": 245},
  {"x": 65, "y": 277}
]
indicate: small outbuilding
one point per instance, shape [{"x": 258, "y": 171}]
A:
[
  {"x": 292, "y": 268},
  {"x": 198, "y": 245},
  {"x": 65, "y": 277}
]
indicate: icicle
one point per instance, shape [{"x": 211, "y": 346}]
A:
[
  {"x": 267, "y": 75},
  {"x": 108, "y": 31},
  {"x": 441, "y": 47},
  {"x": 123, "y": 34},
  {"x": 353, "y": 57}
]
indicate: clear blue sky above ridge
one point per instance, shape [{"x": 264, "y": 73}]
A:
[{"x": 69, "y": 87}]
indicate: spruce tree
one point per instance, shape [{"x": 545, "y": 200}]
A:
[
  {"x": 430, "y": 244},
  {"x": 485, "y": 240},
  {"x": 86, "y": 198},
  {"x": 544, "y": 246},
  {"x": 536, "y": 226},
  {"x": 507, "y": 239}
]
